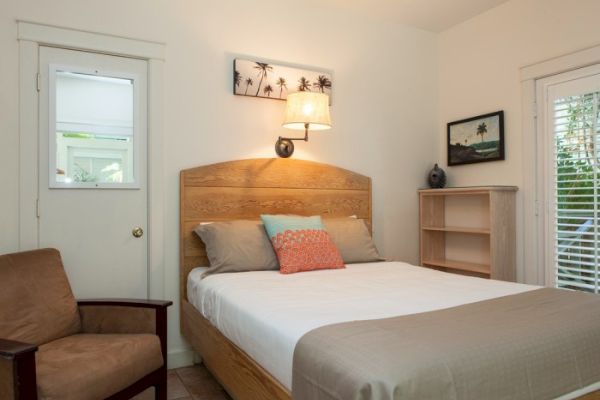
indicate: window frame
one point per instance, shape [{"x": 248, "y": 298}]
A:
[{"x": 52, "y": 146}]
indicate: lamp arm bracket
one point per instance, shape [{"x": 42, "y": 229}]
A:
[
  {"x": 305, "y": 138},
  {"x": 284, "y": 147}
]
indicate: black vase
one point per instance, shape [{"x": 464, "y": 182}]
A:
[{"x": 437, "y": 178}]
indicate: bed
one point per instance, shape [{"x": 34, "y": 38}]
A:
[{"x": 245, "y": 189}]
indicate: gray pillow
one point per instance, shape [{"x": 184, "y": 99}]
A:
[
  {"x": 237, "y": 246},
  {"x": 353, "y": 240}
]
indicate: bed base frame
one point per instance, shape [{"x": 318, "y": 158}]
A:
[
  {"x": 239, "y": 374},
  {"x": 243, "y": 190}
]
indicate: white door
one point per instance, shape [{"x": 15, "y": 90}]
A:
[
  {"x": 572, "y": 175},
  {"x": 92, "y": 169}
]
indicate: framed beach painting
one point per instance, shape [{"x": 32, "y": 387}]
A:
[
  {"x": 271, "y": 81},
  {"x": 476, "y": 139}
]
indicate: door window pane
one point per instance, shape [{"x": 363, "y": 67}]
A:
[
  {"x": 94, "y": 132},
  {"x": 577, "y": 191}
]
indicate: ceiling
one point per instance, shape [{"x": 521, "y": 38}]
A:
[{"x": 431, "y": 15}]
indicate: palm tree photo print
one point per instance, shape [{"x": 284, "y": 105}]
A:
[
  {"x": 476, "y": 139},
  {"x": 261, "y": 79}
]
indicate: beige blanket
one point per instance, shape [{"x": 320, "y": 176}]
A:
[{"x": 535, "y": 345}]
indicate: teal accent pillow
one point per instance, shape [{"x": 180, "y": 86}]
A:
[
  {"x": 301, "y": 243},
  {"x": 275, "y": 224}
]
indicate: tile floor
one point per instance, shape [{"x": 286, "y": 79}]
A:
[{"x": 189, "y": 383}]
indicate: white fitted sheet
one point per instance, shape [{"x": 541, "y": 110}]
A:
[{"x": 265, "y": 313}]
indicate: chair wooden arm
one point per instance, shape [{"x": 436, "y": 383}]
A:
[
  {"x": 17, "y": 370},
  {"x": 126, "y": 316},
  {"x": 11, "y": 349},
  {"x": 126, "y": 303}
]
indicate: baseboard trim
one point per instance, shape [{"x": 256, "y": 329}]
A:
[{"x": 180, "y": 358}]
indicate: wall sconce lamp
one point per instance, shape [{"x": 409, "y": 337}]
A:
[{"x": 304, "y": 110}]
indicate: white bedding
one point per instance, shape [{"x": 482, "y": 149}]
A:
[{"x": 265, "y": 313}]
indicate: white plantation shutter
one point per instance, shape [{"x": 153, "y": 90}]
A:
[{"x": 574, "y": 191}]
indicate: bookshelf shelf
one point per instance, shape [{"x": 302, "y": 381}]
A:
[
  {"x": 457, "y": 229},
  {"x": 459, "y": 265}
]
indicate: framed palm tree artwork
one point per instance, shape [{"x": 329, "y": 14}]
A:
[
  {"x": 271, "y": 81},
  {"x": 476, "y": 139}
]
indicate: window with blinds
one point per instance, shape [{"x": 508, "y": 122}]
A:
[{"x": 576, "y": 191}]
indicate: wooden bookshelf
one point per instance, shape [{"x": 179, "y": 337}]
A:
[{"x": 469, "y": 230}]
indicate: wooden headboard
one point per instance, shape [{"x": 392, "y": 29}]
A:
[{"x": 245, "y": 189}]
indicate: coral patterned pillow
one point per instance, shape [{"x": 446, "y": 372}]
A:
[{"x": 301, "y": 243}]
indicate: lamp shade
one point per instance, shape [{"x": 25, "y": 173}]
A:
[{"x": 307, "y": 108}]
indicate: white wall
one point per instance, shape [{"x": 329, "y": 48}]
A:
[
  {"x": 384, "y": 105},
  {"x": 479, "y": 63}
]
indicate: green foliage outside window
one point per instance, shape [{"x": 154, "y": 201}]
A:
[{"x": 577, "y": 188}]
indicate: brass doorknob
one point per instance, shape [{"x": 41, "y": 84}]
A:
[{"x": 137, "y": 232}]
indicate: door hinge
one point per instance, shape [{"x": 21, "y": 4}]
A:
[
  {"x": 38, "y": 81},
  {"x": 37, "y": 208},
  {"x": 534, "y": 110}
]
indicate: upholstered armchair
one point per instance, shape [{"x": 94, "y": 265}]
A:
[{"x": 53, "y": 347}]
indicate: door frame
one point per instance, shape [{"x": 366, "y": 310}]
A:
[
  {"x": 535, "y": 207},
  {"x": 30, "y": 37},
  {"x": 546, "y": 163}
]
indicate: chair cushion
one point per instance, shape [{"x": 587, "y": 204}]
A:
[
  {"x": 36, "y": 301},
  {"x": 94, "y": 366}
]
